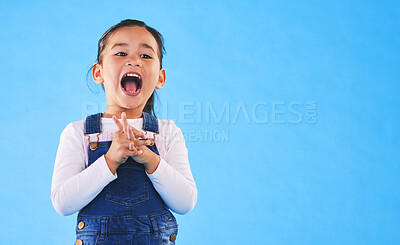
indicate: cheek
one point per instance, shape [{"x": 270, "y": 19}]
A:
[
  {"x": 113, "y": 61},
  {"x": 110, "y": 72},
  {"x": 153, "y": 78},
  {"x": 151, "y": 84}
]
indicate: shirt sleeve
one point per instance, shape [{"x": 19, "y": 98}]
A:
[
  {"x": 173, "y": 178},
  {"x": 73, "y": 185}
]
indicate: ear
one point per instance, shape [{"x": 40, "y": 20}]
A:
[
  {"x": 97, "y": 73},
  {"x": 161, "y": 79}
]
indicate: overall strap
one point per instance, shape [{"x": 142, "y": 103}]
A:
[
  {"x": 93, "y": 124},
  {"x": 150, "y": 123}
]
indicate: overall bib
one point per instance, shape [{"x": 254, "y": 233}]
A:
[{"x": 128, "y": 210}]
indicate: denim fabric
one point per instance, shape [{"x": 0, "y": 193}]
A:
[{"x": 128, "y": 210}]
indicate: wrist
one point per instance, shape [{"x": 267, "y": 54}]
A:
[
  {"x": 152, "y": 165},
  {"x": 112, "y": 165}
]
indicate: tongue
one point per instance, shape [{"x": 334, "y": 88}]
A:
[{"x": 130, "y": 86}]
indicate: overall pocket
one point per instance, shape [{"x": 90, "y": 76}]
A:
[{"x": 131, "y": 186}]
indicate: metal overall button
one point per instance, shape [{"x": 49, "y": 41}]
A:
[
  {"x": 153, "y": 139},
  {"x": 93, "y": 145},
  {"x": 172, "y": 237},
  {"x": 81, "y": 225}
]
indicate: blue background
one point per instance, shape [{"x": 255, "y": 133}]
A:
[{"x": 305, "y": 93}]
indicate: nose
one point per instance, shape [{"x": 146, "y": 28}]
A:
[{"x": 134, "y": 62}]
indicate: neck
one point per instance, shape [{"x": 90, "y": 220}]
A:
[{"x": 130, "y": 113}]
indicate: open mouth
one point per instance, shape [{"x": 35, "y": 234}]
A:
[{"x": 131, "y": 83}]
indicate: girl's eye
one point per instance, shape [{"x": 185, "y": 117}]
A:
[
  {"x": 121, "y": 54},
  {"x": 145, "y": 56}
]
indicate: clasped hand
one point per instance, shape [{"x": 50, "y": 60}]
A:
[{"x": 130, "y": 142}]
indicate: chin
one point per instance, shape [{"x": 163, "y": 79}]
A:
[{"x": 131, "y": 105}]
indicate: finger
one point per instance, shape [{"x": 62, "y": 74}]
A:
[
  {"x": 132, "y": 147},
  {"x": 135, "y": 151},
  {"x": 131, "y": 135},
  {"x": 117, "y": 122},
  {"x": 139, "y": 142},
  {"x": 128, "y": 132},
  {"x": 125, "y": 124},
  {"x": 138, "y": 133},
  {"x": 134, "y": 133}
]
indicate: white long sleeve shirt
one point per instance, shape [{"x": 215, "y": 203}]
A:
[{"x": 74, "y": 184}]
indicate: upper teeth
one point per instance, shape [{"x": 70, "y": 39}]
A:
[{"x": 132, "y": 75}]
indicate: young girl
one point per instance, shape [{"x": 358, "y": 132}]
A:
[{"x": 124, "y": 169}]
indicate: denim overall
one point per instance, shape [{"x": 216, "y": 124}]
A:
[{"x": 128, "y": 210}]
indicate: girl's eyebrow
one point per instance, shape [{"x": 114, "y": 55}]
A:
[
  {"x": 144, "y": 45},
  {"x": 119, "y": 45}
]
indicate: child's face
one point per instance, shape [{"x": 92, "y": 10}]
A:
[{"x": 129, "y": 50}]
